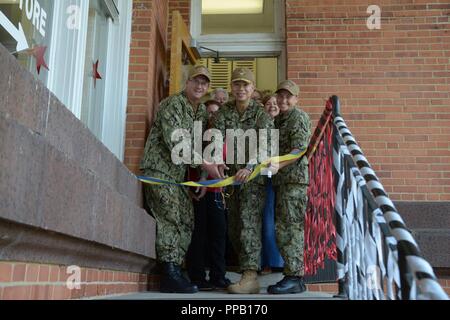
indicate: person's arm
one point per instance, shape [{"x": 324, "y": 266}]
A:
[
  {"x": 263, "y": 122},
  {"x": 171, "y": 120},
  {"x": 299, "y": 137}
]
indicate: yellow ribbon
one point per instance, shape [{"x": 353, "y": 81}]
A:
[{"x": 227, "y": 181}]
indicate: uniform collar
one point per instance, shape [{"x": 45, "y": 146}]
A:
[
  {"x": 190, "y": 109},
  {"x": 249, "y": 112},
  {"x": 287, "y": 114}
]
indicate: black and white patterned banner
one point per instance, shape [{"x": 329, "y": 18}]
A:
[
  {"x": 380, "y": 244},
  {"x": 366, "y": 251}
]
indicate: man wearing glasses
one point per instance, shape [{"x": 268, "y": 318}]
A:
[{"x": 171, "y": 204}]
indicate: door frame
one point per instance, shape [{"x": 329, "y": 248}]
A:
[
  {"x": 181, "y": 42},
  {"x": 256, "y": 45}
]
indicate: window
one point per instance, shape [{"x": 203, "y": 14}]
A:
[
  {"x": 92, "y": 107},
  {"x": 248, "y": 36},
  {"x": 77, "y": 33},
  {"x": 238, "y": 20},
  {"x": 26, "y": 24}
]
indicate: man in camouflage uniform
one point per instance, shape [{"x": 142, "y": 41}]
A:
[
  {"x": 246, "y": 204},
  {"x": 291, "y": 183},
  {"x": 171, "y": 205}
]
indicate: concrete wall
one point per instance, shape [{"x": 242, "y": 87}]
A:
[{"x": 64, "y": 198}]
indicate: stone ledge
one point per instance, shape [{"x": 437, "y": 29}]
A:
[
  {"x": 59, "y": 182},
  {"x": 41, "y": 187},
  {"x": 23, "y": 243},
  {"x": 31, "y": 104}
]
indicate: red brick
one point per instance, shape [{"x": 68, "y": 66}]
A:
[
  {"x": 19, "y": 272},
  {"x": 331, "y": 288},
  {"x": 63, "y": 275},
  {"x": 91, "y": 290},
  {"x": 44, "y": 273},
  {"x": 6, "y": 271},
  {"x": 54, "y": 273},
  {"x": 17, "y": 293},
  {"x": 41, "y": 292},
  {"x": 61, "y": 292},
  {"x": 32, "y": 273},
  {"x": 403, "y": 67}
]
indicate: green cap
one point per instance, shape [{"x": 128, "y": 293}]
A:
[
  {"x": 199, "y": 70},
  {"x": 243, "y": 74},
  {"x": 290, "y": 86}
]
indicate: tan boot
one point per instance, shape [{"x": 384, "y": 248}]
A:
[{"x": 247, "y": 285}]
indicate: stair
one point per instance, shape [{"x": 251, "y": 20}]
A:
[{"x": 265, "y": 281}]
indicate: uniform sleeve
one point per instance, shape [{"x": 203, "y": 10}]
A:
[
  {"x": 301, "y": 132},
  {"x": 265, "y": 122},
  {"x": 219, "y": 122},
  {"x": 171, "y": 119}
]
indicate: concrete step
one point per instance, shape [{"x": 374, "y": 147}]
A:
[{"x": 265, "y": 281}]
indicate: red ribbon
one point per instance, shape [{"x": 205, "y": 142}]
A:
[{"x": 320, "y": 232}]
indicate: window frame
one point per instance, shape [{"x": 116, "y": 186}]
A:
[
  {"x": 245, "y": 44},
  {"x": 116, "y": 79}
]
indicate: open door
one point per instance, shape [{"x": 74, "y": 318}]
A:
[{"x": 181, "y": 54}]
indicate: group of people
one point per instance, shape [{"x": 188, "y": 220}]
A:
[{"x": 192, "y": 222}]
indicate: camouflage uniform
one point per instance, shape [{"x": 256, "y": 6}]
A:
[
  {"x": 246, "y": 203},
  {"x": 170, "y": 205},
  {"x": 290, "y": 184}
]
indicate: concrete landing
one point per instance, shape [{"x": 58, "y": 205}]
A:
[{"x": 265, "y": 281}]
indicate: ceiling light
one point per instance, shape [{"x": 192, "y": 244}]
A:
[{"x": 232, "y": 6}]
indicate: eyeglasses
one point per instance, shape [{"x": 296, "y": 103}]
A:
[{"x": 199, "y": 82}]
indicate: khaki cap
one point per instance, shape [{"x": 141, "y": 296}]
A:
[
  {"x": 290, "y": 86},
  {"x": 199, "y": 70},
  {"x": 243, "y": 74}
]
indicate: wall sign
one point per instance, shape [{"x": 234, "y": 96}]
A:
[{"x": 35, "y": 14}]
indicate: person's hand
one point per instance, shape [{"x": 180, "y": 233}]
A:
[
  {"x": 273, "y": 168},
  {"x": 222, "y": 168},
  {"x": 199, "y": 193},
  {"x": 214, "y": 170},
  {"x": 242, "y": 175}
]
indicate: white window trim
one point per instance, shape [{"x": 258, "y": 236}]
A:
[
  {"x": 245, "y": 44},
  {"x": 116, "y": 81},
  {"x": 75, "y": 86},
  {"x": 116, "y": 86}
]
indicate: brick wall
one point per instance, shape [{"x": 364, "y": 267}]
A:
[
  {"x": 149, "y": 70},
  {"x": 394, "y": 84},
  {"x": 148, "y": 74},
  {"x": 26, "y": 281},
  {"x": 184, "y": 6}
]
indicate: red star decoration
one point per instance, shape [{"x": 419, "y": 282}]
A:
[
  {"x": 38, "y": 52},
  {"x": 95, "y": 73}
]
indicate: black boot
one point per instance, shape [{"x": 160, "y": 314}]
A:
[
  {"x": 172, "y": 281},
  {"x": 289, "y": 284}
]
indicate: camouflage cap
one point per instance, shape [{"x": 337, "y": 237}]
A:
[
  {"x": 243, "y": 74},
  {"x": 290, "y": 86},
  {"x": 199, "y": 70}
]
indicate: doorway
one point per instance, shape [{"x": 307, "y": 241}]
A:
[{"x": 265, "y": 70}]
